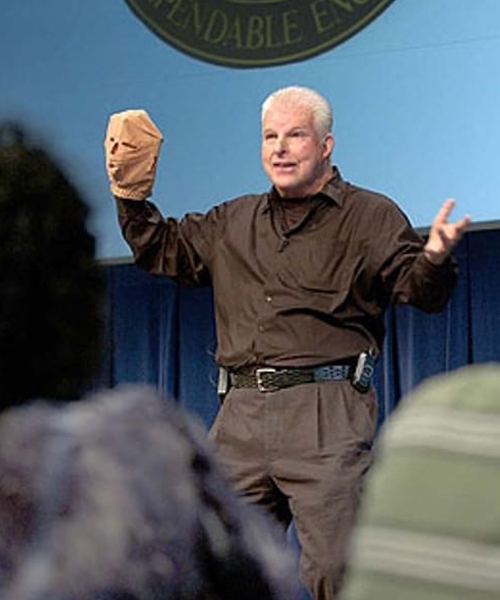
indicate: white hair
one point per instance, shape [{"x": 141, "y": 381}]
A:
[{"x": 319, "y": 106}]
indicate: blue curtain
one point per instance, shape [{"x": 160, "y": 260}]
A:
[
  {"x": 142, "y": 338},
  {"x": 163, "y": 334}
]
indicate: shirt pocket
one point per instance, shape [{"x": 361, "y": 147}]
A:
[{"x": 323, "y": 268}]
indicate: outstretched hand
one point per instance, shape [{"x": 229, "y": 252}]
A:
[{"x": 444, "y": 236}]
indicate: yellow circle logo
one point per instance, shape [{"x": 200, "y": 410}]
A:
[{"x": 256, "y": 33}]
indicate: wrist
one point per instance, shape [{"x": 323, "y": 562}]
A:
[{"x": 435, "y": 258}]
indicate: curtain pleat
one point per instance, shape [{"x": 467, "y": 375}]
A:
[{"x": 484, "y": 275}]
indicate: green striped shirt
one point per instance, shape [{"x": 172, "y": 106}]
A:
[{"x": 429, "y": 527}]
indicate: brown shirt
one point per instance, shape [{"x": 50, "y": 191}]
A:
[{"x": 298, "y": 291}]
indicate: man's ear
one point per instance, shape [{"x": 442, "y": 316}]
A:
[{"x": 328, "y": 145}]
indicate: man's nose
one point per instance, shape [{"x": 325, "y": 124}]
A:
[{"x": 280, "y": 145}]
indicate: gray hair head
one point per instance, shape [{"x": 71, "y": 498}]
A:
[
  {"x": 119, "y": 497},
  {"x": 307, "y": 98}
]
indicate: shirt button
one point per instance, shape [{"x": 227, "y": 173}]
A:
[
  {"x": 269, "y": 298},
  {"x": 261, "y": 328}
]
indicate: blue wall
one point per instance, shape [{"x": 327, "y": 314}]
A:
[{"x": 416, "y": 97}]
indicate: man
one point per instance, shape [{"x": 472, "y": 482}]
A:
[{"x": 302, "y": 276}]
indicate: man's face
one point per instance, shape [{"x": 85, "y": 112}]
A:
[{"x": 294, "y": 158}]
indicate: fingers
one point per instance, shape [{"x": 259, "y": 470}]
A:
[
  {"x": 463, "y": 223},
  {"x": 442, "y": 216},
  {"x": 444, "y": 236},
  {"x": 445, "y": 211}
]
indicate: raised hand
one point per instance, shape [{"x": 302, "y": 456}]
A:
[{"x": 443, "y": 235}]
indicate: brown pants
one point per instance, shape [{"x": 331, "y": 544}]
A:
[{"x": 301, "y": 453}]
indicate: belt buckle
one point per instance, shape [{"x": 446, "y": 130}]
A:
[{"x": 261, "y": 386}]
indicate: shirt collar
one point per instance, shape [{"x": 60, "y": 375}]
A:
[{"x": 334, "y": 191}]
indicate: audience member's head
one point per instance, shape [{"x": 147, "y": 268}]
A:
[
  {"x": 118, "y": 497},
  {"x": 51, "y": 307},
  {"x": 429, "y": 528}
]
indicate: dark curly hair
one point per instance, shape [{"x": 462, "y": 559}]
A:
[{"x": 51, "y": 286}]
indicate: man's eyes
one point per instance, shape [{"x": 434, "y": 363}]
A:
[{"x": 293, "y": 134}]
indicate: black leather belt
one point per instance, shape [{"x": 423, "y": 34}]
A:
[{"x": 271, "y": 379}]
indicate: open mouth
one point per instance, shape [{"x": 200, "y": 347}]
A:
[{"x": 284, "y": 166}]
